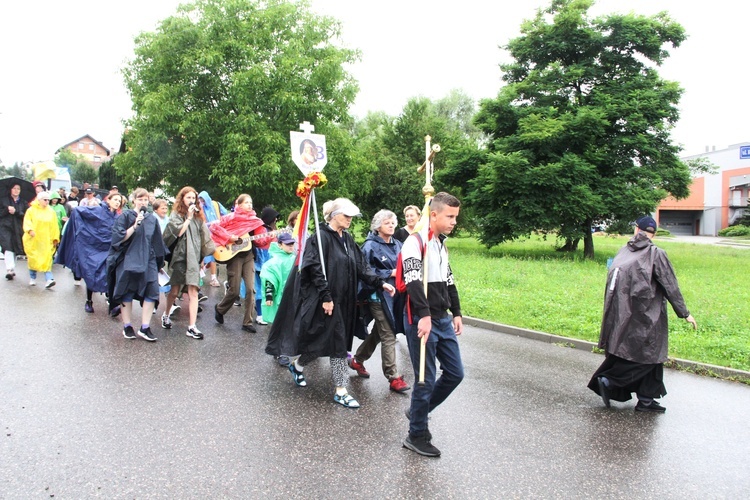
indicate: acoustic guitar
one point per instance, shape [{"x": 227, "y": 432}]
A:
[{"x": 243, "y": 244}]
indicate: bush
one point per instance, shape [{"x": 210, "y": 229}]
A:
[
  {"x": 663, "y": 232},
  {"x": 738, "y": 230}
]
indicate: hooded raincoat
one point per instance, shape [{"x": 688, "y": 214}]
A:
[
  {"x": 41, "y": 247},
  {"x": 640, "y": 282},
  {"x": 275, "y": 271},
  {"x": 85, "y": 245}
]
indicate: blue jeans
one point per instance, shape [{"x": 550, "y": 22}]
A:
[
  {"x": 443, "y": 346},
  {"x": 47, "y": 275}
]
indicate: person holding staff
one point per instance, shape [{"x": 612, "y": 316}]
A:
[{"x": 426, "y": 319}]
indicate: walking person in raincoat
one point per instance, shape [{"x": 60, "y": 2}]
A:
[
  {"x": 41, "y": 234},
  {"x": 634, "y": 327},
  {"x": 187, "y": 227},
  {"x": 275, "y": 273}
]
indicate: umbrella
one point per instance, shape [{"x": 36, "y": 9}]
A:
[
  {"x": 28, "y": 192},
  {"x": 44, "y": 170}
]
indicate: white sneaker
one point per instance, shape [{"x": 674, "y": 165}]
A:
[
  {"x": 174, "y": 309},
  {"x": 260, "y": 321},
  {"x": 32, "y": 282},
  {"x": 77, "y": 282},
  {"x": 50, "y": 284}
]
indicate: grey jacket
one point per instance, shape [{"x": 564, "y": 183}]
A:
[{"x": 639, "y": 284}]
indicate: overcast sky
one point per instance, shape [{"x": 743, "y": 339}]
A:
[{"x": 60, "y": 62}]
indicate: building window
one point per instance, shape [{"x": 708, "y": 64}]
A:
[
  {"x": 80, "y": 145},
  {"x": 91, "y": 147},
  {"x": 97, "y": 159}
]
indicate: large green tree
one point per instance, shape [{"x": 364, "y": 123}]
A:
[
  {"x": 581, "y": 131},
  {"x": 396, "y": 148},
  {"x": 217, "y": 88}
]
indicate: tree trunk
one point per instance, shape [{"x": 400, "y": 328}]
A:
[
  {"x": 571, "y": 245},
  {"x": 588, "y": 246}
]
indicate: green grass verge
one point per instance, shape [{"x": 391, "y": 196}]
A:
[{"x": 529, "y": 285}]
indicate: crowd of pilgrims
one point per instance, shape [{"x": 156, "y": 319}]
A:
[{"x": 137, "y": 249}]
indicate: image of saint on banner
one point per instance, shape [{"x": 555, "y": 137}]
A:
[{"x": 308, "y": 151}]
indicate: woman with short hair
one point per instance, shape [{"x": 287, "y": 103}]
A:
[
  {"x": 412, "y": 213},
  {"x": 325, "y": 315}
]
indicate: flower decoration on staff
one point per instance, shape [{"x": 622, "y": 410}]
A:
[{"x": 313, "y": 180}]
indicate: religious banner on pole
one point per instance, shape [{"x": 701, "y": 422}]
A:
[
  {"x": 308, "y": 149},
  {"x": 309, "y": 154}
]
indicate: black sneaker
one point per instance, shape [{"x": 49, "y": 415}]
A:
[
  {"x": 218, "y": 316},
  {"x": 249, "y": 328},
  {"x": 603, "y": 391},
  {"x": 237, "y": 303},
  {"x": 89, "y": 307},
  {"x": 166, "y": 323},
  {"x": 8, "y": 276},
  {"x": 201, "y": 297},
  {"x": 654, "y": 407},
  {"x": 421, "y": 445},
  {"x": 427, "y": 432},
  {"x": 194, "y": 332},
  {"x": 146, "y": 334},
  {"x": 128, "y": 332}
]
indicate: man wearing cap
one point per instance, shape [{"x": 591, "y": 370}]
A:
[
  {"x": 88, "y": 200},
  {"x": 634, "y": 325}
]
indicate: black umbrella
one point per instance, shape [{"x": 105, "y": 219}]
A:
[{"x": 28, "y": 192}]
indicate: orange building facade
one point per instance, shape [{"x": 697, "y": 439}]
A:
[{"x": 715, "y": 200}]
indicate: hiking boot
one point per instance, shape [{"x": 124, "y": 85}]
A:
[
  {"x": 654, "y": 407},
  {"x": 128, "y": 332},
  {"x": 166, "y": 323},
  {"x": 359, "y": 368},
  {"x": 346, "y": 400},
  {"x": 398, "y": 385},
  {"x": 218, "y": 316},
  {"x": 49, "y": 284},
  {"x": 89, "y": 307},
  {"x": 146, "y": 334},
  {"x": 298, "y": 376},
  {"x": 421, "y": 445},
  {"x": 603, "y": 391},
  {"x": 193, "y": 331}
]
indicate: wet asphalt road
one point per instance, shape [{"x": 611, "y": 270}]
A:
[{"x": 86, "y": 413}]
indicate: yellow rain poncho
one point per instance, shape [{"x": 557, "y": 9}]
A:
[{"x": 41, "y": 247}]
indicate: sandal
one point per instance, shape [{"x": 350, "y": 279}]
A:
[
  {"x": 346, "y": 400},
  {"x": 299, "y": 377}
]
